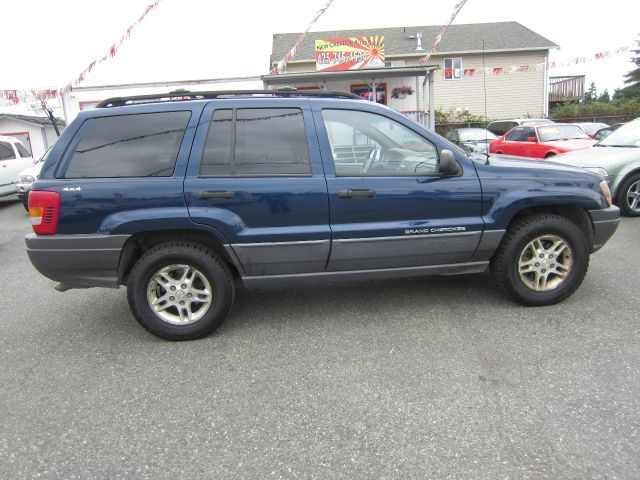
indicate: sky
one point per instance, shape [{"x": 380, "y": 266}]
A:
[{"x": 48, "y": 44}]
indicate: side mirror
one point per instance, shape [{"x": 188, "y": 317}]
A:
[
  {"x": 532, "y": 139},
  {"x": 448, "y": 164}
]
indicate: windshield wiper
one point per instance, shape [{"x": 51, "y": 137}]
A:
[{"x": 623, "y": 146}]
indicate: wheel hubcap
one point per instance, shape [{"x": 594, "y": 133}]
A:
[
  {"x": 545, "y": 263},
  {"x": 633, "y": 196},
  {"x": 179, "y": 294}
]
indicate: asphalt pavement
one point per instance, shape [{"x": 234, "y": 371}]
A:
[{"x": 438, "y": 377}]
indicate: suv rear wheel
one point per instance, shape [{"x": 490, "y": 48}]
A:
[
  {"x": 180, "y": 291},
  {"x": 542, "y": 259}
]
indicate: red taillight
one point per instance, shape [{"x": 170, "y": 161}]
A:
[{"x": 44, "y": 209}]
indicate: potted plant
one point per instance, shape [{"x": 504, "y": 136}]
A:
[{"x": 401, "y": 91}]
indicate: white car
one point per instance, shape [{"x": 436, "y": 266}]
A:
[
  {"x": 14, "y": 158},
  {"x": 26, "y": 178}
]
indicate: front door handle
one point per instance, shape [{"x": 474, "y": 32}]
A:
[
  {"x": 356, "y": 193},
  {"x": 215, "y": 195}
]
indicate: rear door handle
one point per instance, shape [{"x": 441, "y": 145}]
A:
[
  {"x": 356, "y": 193},
  {"x": 215, "y": 195}
]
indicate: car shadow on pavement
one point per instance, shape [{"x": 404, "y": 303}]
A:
[
  {"x": 360, "y": 301},
  {"x": 8, "y": 202}
]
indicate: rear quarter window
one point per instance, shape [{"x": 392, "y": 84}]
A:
[{"x": 139, "y": 145}]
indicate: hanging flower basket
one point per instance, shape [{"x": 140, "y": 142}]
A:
[{"x": 401, "y": 92}]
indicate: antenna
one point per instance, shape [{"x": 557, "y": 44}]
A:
[{"x": 484, "y": 87}]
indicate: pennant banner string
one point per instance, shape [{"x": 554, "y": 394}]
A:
[{"x": 279, "y": 67}]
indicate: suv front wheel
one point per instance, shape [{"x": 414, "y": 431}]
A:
[
  {"x": 180, "y": 291},
  {"x": 542, "y": 259}
]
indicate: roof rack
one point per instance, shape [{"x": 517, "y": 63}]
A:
[{"x": 180, "y": 95}]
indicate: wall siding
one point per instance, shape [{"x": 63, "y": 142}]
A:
[{"x": 508, "y": 95}]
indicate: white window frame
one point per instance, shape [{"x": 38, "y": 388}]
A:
[{"x": 456, "y": 72}]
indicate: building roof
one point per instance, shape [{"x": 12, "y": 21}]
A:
[
  {"x": 498, "y": 36},
  {"x": 33, "y": 119}
]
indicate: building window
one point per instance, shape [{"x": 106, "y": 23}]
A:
[
  {"x": 89, "y": 105},
  {"x": 394, "y": 63},
  {"x": 453, "y": 68},
  {"x": 363, "y": 90}
]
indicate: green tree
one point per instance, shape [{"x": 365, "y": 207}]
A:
[
  {"x": 591, "y": 95},
  {"x": 604, "y": 97},
  {"x": 632, "y": 79}
]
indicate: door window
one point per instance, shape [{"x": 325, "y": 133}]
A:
[
  {"x": 6, "y": 152},
  {"x": 516, "y": 135},
  {"x": 390, "y": 149},
  {"x": 256, "y": 141}
]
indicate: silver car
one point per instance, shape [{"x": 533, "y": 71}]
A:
[{"x": 617, "y": 158}]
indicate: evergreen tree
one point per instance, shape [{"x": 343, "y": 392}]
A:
[
  {"x": 604, "y": 97},
  {"x": 633, "y": 79},
  {"x": 590, "y": 95}
]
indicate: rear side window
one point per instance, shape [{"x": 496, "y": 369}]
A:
[
  {"x": 6, "y": 152},
  {"x": 24, "y": 153},
  {"x": 256, "y": 141},
  {"x": 141, "y": 145}
]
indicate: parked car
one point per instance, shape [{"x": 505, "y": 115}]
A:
[
  {"x": 541, "y": 141},
  {"x": 14, "y": 157},
  {"x": 603, "y": 132},
  {"x": 617, "y": 159},
  {"x": 500, "y": 127},
  {"x": 180, "y": 200},
  {"x": 25, "y": 180},
  {"x": 472, "y": 139},
  {"x": 591, "y": 128}
]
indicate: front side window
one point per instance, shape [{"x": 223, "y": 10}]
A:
[
  {"x": 256, "y": 141},
  {"x": 6, "y": 152},
  {"x": 368, "y": 144},
  {"x": 453, "y": 68},
  {"x": 141, "y": 145}
]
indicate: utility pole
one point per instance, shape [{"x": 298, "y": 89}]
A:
[{"x": 49, "y": 112}]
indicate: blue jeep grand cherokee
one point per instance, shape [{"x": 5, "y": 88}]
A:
[{"x": 181, "y": 198}]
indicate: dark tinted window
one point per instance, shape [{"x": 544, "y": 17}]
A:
[
  {"x": 22, "y": 151},
  {"x": 130, "y": 146},
  {"x": 527, "y": 133},
  {"x": 514, "y": 135},
  {"x": 267, "y": 141},
  {"x": 271, "y": 141},
  {"x": 216, "y": 159},
  {"x": 6, "y": 152}
]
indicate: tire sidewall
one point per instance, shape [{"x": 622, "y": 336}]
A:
[
  {"x": 622, "y": 196},
  {"x": 574, "y": 237},
  {"x": 211, "y": 268}
]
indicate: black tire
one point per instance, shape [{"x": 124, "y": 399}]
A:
[
  {"x": 622, "y": 196},
  {"x": 505, "y": 262},
  {"x": 206, "y": 263}
]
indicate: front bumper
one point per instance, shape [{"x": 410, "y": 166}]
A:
[
  {"x": 77, "y": 260},
  {"x": 605, "y": 222}
]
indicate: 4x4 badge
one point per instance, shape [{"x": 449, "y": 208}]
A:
[{"x": 72, "y": 189}]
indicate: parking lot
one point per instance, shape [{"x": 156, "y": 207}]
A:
[{"x": 438, "y": 377}]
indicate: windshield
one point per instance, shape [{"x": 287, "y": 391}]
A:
[
  {"x": 626, "y": 136},
  {"x": 560, "y": 132},
  {"x": 592, "y": 128},
  {"x": 476, "y": 135}
]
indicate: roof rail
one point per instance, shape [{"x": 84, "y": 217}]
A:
[{"x": 180, "y": 95}]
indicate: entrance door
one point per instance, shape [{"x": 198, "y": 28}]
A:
[{"x": 391, "y": 208}]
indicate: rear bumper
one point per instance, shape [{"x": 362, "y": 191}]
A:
[
  {"x": 605, "y": 222},
  {"x": 77, "y": 260}
]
